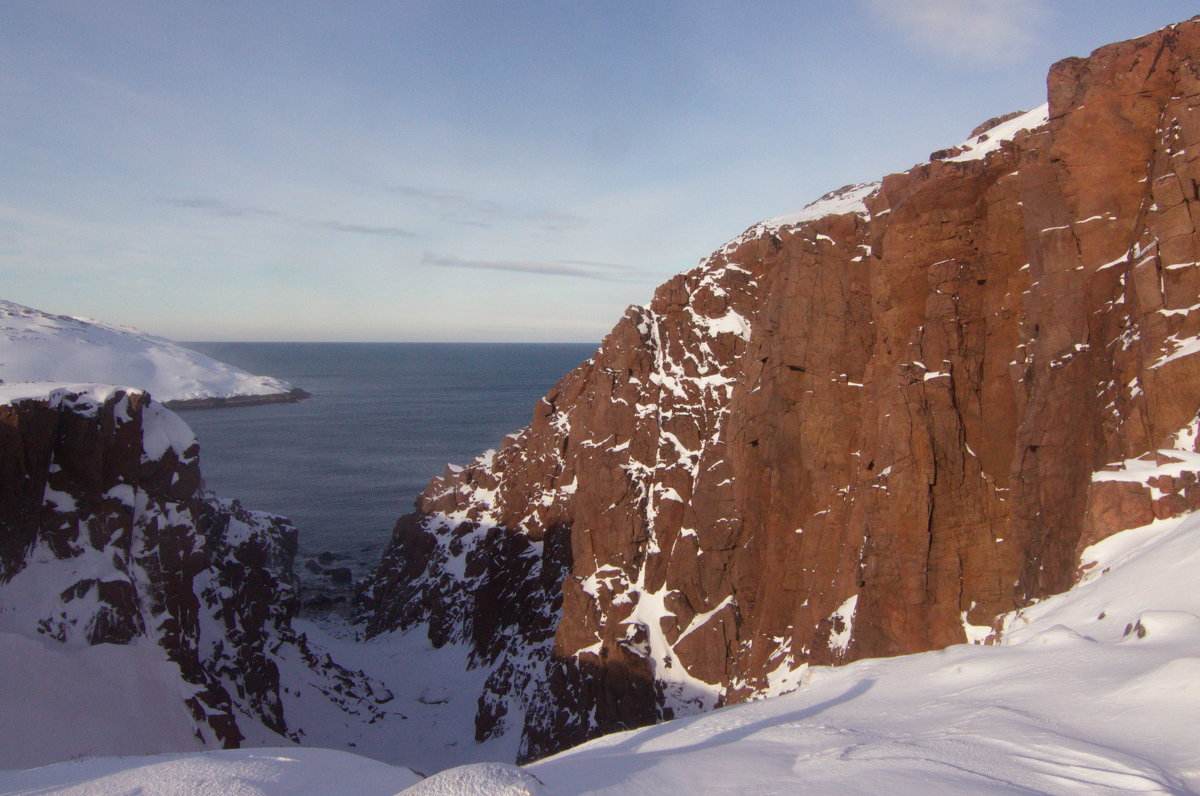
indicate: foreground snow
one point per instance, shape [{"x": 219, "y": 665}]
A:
[
  {"x": 1093, "y": 691},
  {"x": 38, "y": 347},
  {"x": 234, "y": 772},
  {"x": 62, "y": 701}
]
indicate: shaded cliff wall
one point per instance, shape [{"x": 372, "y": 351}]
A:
[{"x": 107, "y": 536}]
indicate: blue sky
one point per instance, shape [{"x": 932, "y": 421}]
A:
[{"x": 473, "y": 171}]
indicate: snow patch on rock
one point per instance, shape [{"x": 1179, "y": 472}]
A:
[{"x": 977, "y": 148}]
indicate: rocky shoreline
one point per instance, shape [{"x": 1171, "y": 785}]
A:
[{"x": 292, "y": 396}]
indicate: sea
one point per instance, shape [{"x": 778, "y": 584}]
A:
[{"x": 383, "y": 419}]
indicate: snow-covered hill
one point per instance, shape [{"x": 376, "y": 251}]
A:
[
  {"x": 1092, "y": 691},
  {"x": 39, "y": 347}
]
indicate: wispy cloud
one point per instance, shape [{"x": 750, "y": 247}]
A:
[
  {"x": 605, "y": 272},
  {"x": 224, "y": 209},
  {"x": 447, "y": 202},
  {"x": 358, "y": 229},
  {"x": 218, "y": 207},
  {"x": 978, "y": 30},
  {"x": 477, "y": 211}
]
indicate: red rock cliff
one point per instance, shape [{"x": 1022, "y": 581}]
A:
[{"x": 865, "y": 430}]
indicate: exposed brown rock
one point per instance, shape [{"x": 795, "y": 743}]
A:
[
  {"x": 845, "y": 436},
  {"x": 1115, "y": 506}
]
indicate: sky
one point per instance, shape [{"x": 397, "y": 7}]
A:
[{"x": 466, "y": 171}]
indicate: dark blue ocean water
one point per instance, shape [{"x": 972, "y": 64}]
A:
[{"x": 383, "y": 419}]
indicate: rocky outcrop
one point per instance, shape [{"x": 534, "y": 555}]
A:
[
  {"x": 864, "y": 430},
  {"x": 107, "y": 536},
  {"x": 292, "y": 396}
]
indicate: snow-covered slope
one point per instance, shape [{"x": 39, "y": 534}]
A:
[
  {"x": 1092, "y": 691},
  {"x": 234, "y": 772},
  {"x": 39, "y": 347}
]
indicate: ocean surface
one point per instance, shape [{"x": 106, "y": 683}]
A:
[{"x": 383, "y": 419}]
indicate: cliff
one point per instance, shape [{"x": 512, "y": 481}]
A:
[
  {"x": 864, "y": 430},
  {"x": 121, "y": 570}
]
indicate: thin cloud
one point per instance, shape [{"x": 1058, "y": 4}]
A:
[
  {"x": 446, "y": 202},
  {"x": 223, "y": 209},
  {"x": 605, "y": 272},
  {"x": 359, "y": 229},
  {"x": 977, "y": 30},
  {"x": 218, "y": 207},
  {"x": 594, "y": 264},
  {"x": 467, "y": 208}
]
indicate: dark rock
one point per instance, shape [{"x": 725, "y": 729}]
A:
[
  {"x": 340, "y": 575},
  {"x": 176, "y": 559},
  {"x": 292, "y": 396}
]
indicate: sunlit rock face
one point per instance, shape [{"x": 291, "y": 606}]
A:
[{"x": 863, "y": 430}]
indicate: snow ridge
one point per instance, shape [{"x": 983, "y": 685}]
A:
[
  {"x": 39, "y": 347},
  {"x": 978, "y": 147}
]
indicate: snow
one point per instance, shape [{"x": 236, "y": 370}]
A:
[
  {"x": 233, "y": 772},
  {"x": 163, "y": 430},
  {"x": 431, "y": 721},
  {"x": 1067, "y": 704},
  {"x": 700, "y": 620},
  {"x": 850, "y": 199},
  {"x": 39, "y": 347},
  {"x": 62, "y": 701},
  {"x": 989, "y": 141},
  {"x": 1089, "y": 692},
  {"x": 1031, "y": 713},
  {"x": 729, "y": 323},
  {"x": 1172, "y": 461},
  {"x": 839, "y": 640},
  {"x": 493, "y": 779},
  {"x": 1182, "y": 347}
]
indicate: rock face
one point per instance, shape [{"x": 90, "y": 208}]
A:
[
  {"x": 864, "y": 430},
  {"x": 107, "y": 536}
]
